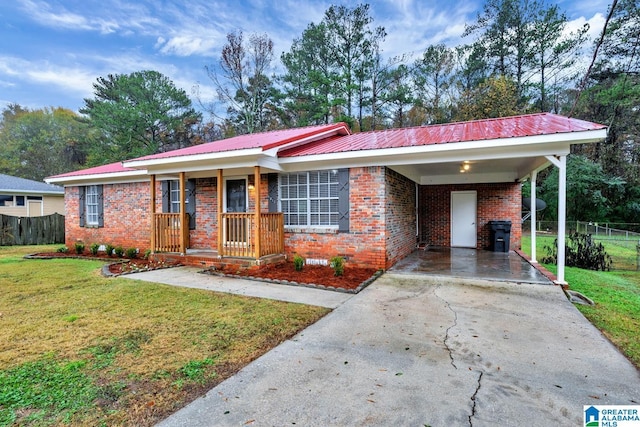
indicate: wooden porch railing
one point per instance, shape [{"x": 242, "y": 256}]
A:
[
  {"x": 167, "y": 232},
  {"x": 238, "y": 230}
]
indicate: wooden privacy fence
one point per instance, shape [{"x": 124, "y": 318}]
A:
[{"x": 39, "y": 230}]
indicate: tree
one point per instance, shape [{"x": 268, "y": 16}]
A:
[
  {"x": 553, "y": 53},
  {"x": 242, "y": 83},
  {"x": 526, "y": 42},
  {"x": 355, "y": 47},
  {"x": 308, "y": 80},
  {"x": 139, "y": 113},
  {"x": 335, "y": 69},
  {"x": 433, "y": 78},
  {"x": 591, "y": 194},
  {"x": 43, "y": 142},
  {"x": 496, "y": 97}
]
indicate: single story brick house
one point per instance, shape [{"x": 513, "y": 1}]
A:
[{"x": 322, "y": 191}]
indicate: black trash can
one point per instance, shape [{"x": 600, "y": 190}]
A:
[{"x": 500, "y": 235}]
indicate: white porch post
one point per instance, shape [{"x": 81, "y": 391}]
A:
[
  {"x": 561, "y": 163},
  {"x": 562, "y": 216},
  {"x": 532, "y": 218}
]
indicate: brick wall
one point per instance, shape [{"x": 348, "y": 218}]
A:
[
  {"x": 205, "y": 235},
  {"x": 400, "y": 217},
  {"x": 126, "y": 217},
  {"x": 364, "y": 243},
  {"x": 381, "y": 222},
  {"x": 501, "y": 201}
]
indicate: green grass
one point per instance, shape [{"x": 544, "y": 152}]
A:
[
  {"x": 623, "y": 252},
  {"x": 617, "y": 298},
  {"x": 80, "y": 349}
]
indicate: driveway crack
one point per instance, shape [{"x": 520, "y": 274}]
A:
[
  {"x": 473, "y": 399},
  {"x": 455, "y": 323}
]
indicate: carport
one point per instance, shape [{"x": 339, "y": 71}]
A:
[{"x": 471, "y": 263}]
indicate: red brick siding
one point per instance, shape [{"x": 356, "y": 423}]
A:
[
  {"x": 205, "y": 235},
  {"x": 126, "y": 217},
  {"x": 381, "y": 222},
  {"x": 400, "y": 216},
  {"x": 501, "y": 201}
]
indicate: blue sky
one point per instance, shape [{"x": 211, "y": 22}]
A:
[{"x": 52, "y": 51}]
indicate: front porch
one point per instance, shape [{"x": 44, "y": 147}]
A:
[{"x": 241, "y": 234}]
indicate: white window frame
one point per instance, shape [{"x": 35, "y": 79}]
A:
[
  {"x": 308, "y": 197},
  {"x": 92, "y": 211}
]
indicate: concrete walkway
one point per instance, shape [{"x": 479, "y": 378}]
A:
[
  {"x": 189, "y": 277},
  {"x": 437, "y": 351}
]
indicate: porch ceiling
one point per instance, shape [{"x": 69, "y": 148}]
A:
[{"x": 479, "y": 171}]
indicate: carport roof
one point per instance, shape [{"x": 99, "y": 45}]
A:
[{"x": 504, "y": 128}]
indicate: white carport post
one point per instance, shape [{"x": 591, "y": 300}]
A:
[
  {"x": 532, "y": 217},
  {"x": 561, "y": 163}
]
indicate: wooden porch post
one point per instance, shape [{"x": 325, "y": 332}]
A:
[
  {"x": 219, "y": 189},
  {"x": 184, "y": 226},
  {"x": 256, "y": 180},
  {"x": 152, "y": 212}
]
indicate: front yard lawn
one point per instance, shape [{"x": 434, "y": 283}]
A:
[{"x": 80, "y": 349}]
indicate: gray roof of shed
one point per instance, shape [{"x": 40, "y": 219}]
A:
[{"x": 14, "y": 184}]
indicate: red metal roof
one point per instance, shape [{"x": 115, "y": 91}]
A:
[
  {"x": 98, "y": 170},
  {"x": 264, "y": 140},
  {"x": 500, "y": 128}
]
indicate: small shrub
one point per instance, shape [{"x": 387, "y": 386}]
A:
[
  {"x": 298, "y": 262},
  {"x": 580, "y": 251},
  {"x": 337, "y": 263},
  {"x": 79, "y": 248},
  {"x": 108, "y": 249},
  {"x": 147, "y": 254},
  {"x": 119, "y": 251},
  {"x": 94, "y": 248},
  {"x": 132, "y": 253},
  {"x": 63, "y": 250}
]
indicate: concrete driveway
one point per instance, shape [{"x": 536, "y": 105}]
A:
[{"x": 429, "y": 351}]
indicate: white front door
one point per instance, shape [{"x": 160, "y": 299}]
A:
[{"x": 463, "y": 219}]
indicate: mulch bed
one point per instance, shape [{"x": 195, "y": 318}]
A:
[
  {"x": 320, "y": 276},
  {"x": 353, "y": 279}
]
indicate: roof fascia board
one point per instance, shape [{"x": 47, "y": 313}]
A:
[
  {"x": 165, "y": 161},
  {"x": 32, "y": 192},
  {"x": 110, "y": 178}
]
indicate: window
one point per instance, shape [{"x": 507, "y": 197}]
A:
[
  {"x": 171, "y": 199},
  {"x": 310, "y": 198},
  {"x": 174, "y": 196},
  {"x": 91, "y": 206}
]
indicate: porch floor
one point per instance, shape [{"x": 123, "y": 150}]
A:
[{"x": 470, "y": 263}]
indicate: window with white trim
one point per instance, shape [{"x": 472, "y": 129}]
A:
[
  {"x": 310, "y": 198},
  {"x": 91, "y": 205}
]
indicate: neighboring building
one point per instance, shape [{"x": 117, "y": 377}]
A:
[
  {"x": 322, "y": 191},
  {"x": 24, "y": 197}
]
